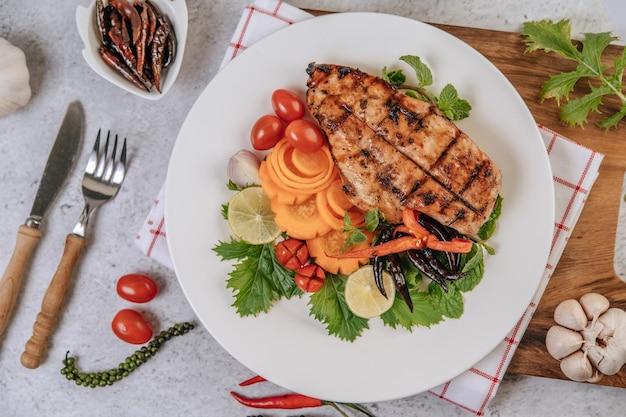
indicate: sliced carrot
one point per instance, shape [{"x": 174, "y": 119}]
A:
[
  {"x": 301, "y": 221},
  {"x": 333, "y": 242},
  {"x": 275, "y": 191},
  {"x": 312, "y": 164},
  {"x": 289, "y": 176},
  {"x": 332, "y": 218},
  {"x": 337, "y": 199}
]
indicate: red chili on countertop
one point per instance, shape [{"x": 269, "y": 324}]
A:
[{"x": 284, "y": 402}]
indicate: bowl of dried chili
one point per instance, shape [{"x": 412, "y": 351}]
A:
[{"x": 137, "y": 45}]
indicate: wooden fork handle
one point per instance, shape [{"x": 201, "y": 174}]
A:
[
  {"x": 27, "y": 239},
  {"x": 52, "y": 303}
]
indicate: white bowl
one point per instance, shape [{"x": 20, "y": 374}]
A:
[{"x": 175, "y": 10}]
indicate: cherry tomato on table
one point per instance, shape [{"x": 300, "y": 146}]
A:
[
  {"x": 310, "y": 278},
  {"x": 304, "y": 135},
  {"x": 266, "y": 132},
  {"x": 287, "y": 105},
  {"x": 137, "y": 288},
  {"x": 292, "y": 253},
  {"x": 131, "y": 326}
]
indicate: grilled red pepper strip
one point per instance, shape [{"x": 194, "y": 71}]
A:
[
  {"x": 285, "y": 402},
  {"x": 400, "y": 244}
]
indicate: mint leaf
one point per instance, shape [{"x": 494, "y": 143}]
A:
[
  {"x": 473, "y": 263},
  {"x": 425, "y": 313},
  {"x": 422, "y": 72},
  {"x": 329, "y": 306},
  {"x": 451, "y": 105},
  {"x": 396, "y": 78},
  {"x": 450, "y": 303},
  {"x": 489, "y": 227}
]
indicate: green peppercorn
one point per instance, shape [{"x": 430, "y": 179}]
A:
[{"x": 103, "y": 379}]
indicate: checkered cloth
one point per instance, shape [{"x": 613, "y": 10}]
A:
[{"x": 574, "y": 168}]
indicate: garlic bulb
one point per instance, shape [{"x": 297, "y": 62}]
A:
[{"x": 14, "y": 78}]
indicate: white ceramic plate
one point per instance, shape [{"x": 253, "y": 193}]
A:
[
  {"x": 175, "y": 10},
  {"x": 287, "y": 346}
]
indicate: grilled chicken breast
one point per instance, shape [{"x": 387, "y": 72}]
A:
[{"x": 394, "y": 151}]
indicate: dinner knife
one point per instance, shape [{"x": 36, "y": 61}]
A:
[{"x": 59, "y": 165}]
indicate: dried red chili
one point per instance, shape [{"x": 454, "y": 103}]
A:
[
  {"x": 310, "y": 278},
  {"x": 292, "y": 253}
]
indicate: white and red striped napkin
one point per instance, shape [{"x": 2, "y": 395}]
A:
[{"x": 574, "y": 168}]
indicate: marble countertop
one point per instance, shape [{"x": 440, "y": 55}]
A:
[{"x": 195, "y": 375}]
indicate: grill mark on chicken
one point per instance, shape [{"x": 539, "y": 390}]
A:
[{"x": 394, "y": 151}]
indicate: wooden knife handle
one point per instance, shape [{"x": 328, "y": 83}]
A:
[
  {"x": 52, "y": 302},
  {"x": 27, "y": 239}
]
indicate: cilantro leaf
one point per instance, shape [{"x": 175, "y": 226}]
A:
[
  {"x": 556, "y": 38},
  {"x": 258, "y": 279},
  {"x": 329, "y": 306}
]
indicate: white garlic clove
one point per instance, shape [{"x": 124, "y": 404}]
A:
[
  {"x": 570, "y": 314},
  {"x": 613, "y": 325},
  {"x": 15, "y": 90},
  {"x": 562, "y": 342},
  {"x": 577, "y": 367},
  {"x": 594, "y": 304},
  {"x": 243, "y": 168}
]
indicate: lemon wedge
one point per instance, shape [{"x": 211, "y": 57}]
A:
[
  {"x": 363, "y": 297},
  {"x": 251, "y": 218}
]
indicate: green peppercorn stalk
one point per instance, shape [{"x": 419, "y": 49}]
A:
[{"x": 105, "y": 378}]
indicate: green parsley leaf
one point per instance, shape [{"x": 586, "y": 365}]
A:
[
  {"x": 329, "y": 306},
  {"x": 232, "y": 186},
  {"x": 258, "y": 279},
  {"x": 556, "y": 38}
]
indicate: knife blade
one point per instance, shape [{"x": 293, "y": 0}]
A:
[{"x": 60, "y": 163}]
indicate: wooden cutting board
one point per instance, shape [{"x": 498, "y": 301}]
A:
[{"x": 587, "y": 262}]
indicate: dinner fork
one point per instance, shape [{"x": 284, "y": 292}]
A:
[{"x": 102, "y": 180}]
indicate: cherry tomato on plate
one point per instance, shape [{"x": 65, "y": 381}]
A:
[
  {"x": 304, "y": 135},
  {"x": 137, "y": 288},
  {"x": 287, "y": 105},
  {"x": 310, "y": 278},
  {"x": 131, "y": 326},
  {"x": 266, "y": 132},
  {"x": 292, "y": 253}
]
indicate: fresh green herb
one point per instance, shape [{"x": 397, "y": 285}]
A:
[
  {"x": 103, "y": 379},
  {"x": 602, "y": 80},
  {"x": 488, "y": 229},
  {"x": 258, "y": 279},
  {"x": 448, "y": 101},
  {"x": 356, "y": 234},
  {"x": 329, "y": 306}
]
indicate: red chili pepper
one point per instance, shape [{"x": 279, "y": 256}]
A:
[
  {"x": 285, "y": 401},
  {"x": 255, "y": 379},
  {"x": 310, "y": 278},
  {"x": 292, "y": 253}
]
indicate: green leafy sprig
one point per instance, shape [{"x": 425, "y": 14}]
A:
[
  {"x": 603, "y": 81},
  {"x": 448, "y": 101}
]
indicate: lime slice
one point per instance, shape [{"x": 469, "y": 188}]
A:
[
  {"x": 362, "y": 295},
  {"x": 251, "y": 218}
]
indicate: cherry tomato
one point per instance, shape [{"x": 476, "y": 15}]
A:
[
  {"x": 310, "y": 278},
  {"x": 292, "y": 253},
  {"x": 137, "y": 288},
  {"x": 287, "y": 105},
  {"x": 266, "y": 132},
  {"x": 304, "y": 135},
  {"x": 131, "y": 326}
]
